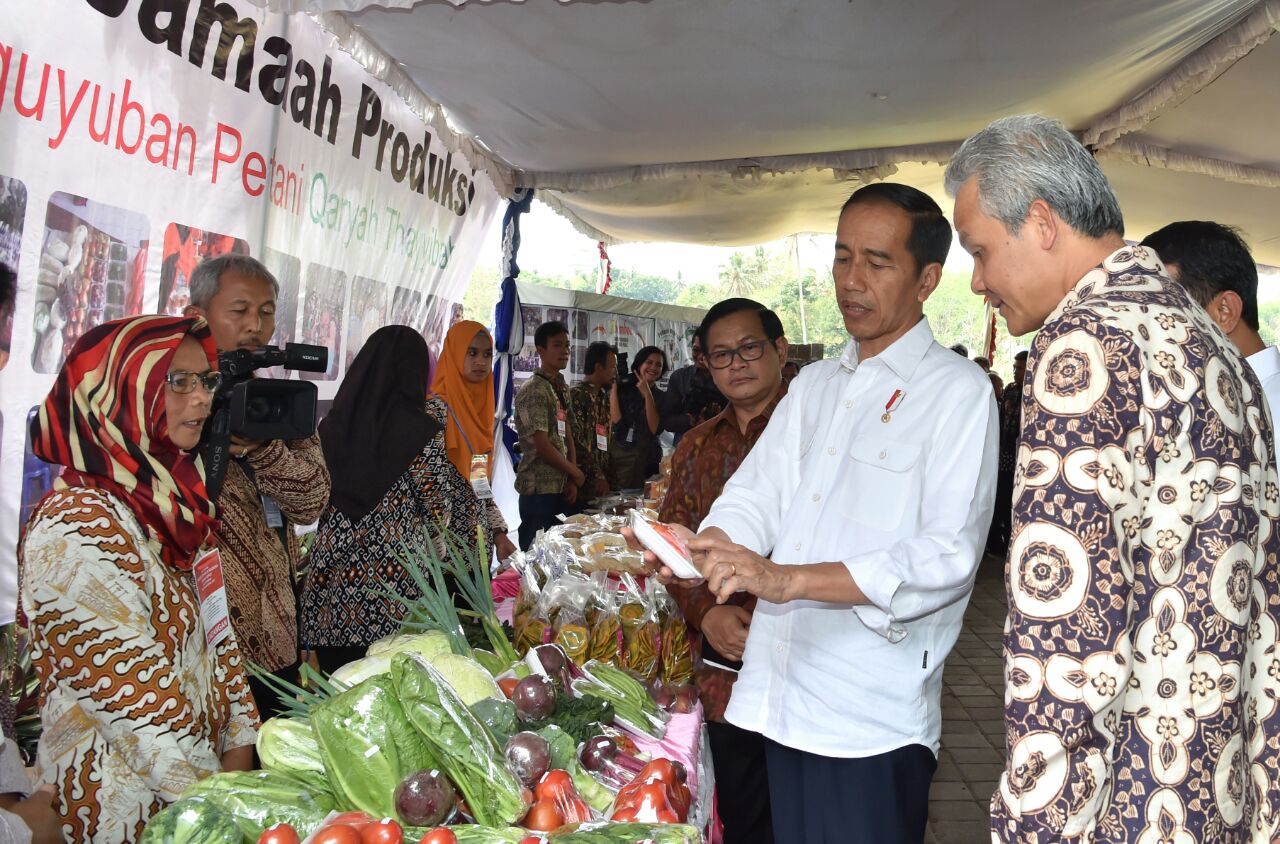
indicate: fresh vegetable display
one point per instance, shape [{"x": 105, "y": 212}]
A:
[
  {"x": 368, "y": 745},
  {"x": 427, "y": 741},
  {"x": 467, "y": 751}
]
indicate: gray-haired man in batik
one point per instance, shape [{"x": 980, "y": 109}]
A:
[{"x": 1142, "y": 666}]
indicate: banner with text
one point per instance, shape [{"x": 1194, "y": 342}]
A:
[{"x": 141, "y": 136}]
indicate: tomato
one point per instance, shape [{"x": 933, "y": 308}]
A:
[
  {"x": 575, "y": 811},
  {"x": 544, "y": 816},
  {"x": 439, "y": 835},
  {"x": 663, "y": 769},
  {"x": 653, "y": 804},
  {"x": 628, "y": 814},
  {"x": 385, "y": 831},
  {"x": 508, "y": 686},
  {"x": 534, "y": 839},
  {"x": 337, "y": 834},
  {"x": 358, "y": 820},
  {"x": 280, "y": 833},
  {"x": 554, "y": 784}
]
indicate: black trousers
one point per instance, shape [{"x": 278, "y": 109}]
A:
[
  {"x": 881, "y": 799},
  {"x": 268, "y": 701},
  {"x": 538, "y": 512},
  {"x": 742, "y": 784}
]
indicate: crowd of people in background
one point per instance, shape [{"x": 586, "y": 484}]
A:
[{"x": 1126, "y": 477}]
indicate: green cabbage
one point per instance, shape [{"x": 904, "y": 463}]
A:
[
  {"x": 368, "y": 746},
  {"x": 362, "y": 669},
  {"x": 288, "y": 746},
  {"x": 430, "y": 644},
  {"x": 467, "y": 678},
  {"x": 259, "y": 799}
]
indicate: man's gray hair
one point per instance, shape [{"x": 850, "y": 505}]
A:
[
  {"x": 204, "y": 278},
  {"x": 1020, "y": 159}
]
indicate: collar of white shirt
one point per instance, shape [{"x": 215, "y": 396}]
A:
[
  {"x": 1265, "y": 363},
  {"x": 903, "y": 356}
]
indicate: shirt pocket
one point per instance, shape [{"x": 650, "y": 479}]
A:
[{"x": 881, "y": 478}]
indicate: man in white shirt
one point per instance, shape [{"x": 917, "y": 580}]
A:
[
  {"x": 1213, "y": 263},
  {"x": 870, "y": 491}
]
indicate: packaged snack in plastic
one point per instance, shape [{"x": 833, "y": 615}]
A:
[
  {"x": 606, "y": 627},
  {"x": 677, "y": 652},
  {"x": 640, "y": 631}
]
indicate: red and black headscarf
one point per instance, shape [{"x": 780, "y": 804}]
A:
[{"x": 105, "y": 421}]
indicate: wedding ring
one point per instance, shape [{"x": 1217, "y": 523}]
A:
[{"x": 733, "y": 568}]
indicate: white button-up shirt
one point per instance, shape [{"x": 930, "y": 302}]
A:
[
  {"x": 905, "y": 504},
  {"x": 1266, "y": 365}
]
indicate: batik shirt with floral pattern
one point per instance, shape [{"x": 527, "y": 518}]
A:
[{"x": 1141, "y": 656}]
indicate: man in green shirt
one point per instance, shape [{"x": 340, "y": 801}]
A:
[
  {"x": 594, "y": 406},
  {"x": 547, "y": 478}
]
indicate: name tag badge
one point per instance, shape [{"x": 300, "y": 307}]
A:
[
  {"x": 275, "y": 519},
  {"x": 480, "y": 476},
  {"x": 602, "y": 438},
  {"x": 562, "y": 426},
  {"x": 212, "y": 593}
]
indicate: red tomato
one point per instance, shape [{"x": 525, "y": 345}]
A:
[
  {"x": 358, "y": 820},
  {"x": 554, "y": 784},
  {"x": 337, "y": 834},
  {"x": 439, "y": 835},
  {"x": 660, "y": 768},
  {"x": 544, "y": 816},
  {"x": 534, "y": 839},
  {"x": 280, "y": 833},
  {"x": 385, "y": 831},
  {"x": 627, "y": 814},
  {"x": 508, "y": 686},
  {"x": 575, "y": 811}
]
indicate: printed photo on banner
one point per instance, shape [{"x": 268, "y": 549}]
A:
[
  {"x": 629, "y": 334},
  {"x": 184, "y": 248},
  {"x": 92, "y": 264},
  {"x": 288, "y": 272},
  {"x": 405, "y": 303},
  {"x": 13, "y": 211},
  {"x": 368, "y": 313},
  {"x": 322, "y": 316},
  {"x": 579, "y": 339},
  {"x": 527, "y": 360},
  {"x": 436, "y": 323}
]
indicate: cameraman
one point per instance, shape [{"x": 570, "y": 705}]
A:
[{"x": 269, "y": 486}]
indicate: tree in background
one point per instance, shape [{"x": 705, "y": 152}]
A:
[{"x": 769, "y": 275}]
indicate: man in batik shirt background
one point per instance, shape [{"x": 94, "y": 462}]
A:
[{"x": 1141, "y": 647}]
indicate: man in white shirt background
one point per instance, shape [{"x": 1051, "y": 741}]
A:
[
  {"x": 1213, "y": 263},
  {"x": 858, "y": 520}
]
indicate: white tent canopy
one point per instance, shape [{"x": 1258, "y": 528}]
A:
[{"x": 740, "y": 121}]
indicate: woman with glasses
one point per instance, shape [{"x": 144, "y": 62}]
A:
[
  {"x": 636, "y": 453},
  {"x": 392, "y": 479},
  {"x": 136, "y": 705}
]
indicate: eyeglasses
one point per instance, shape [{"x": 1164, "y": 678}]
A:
[
  {"x": 748, "y": 351},
  {"x": 183, "y": 382}
]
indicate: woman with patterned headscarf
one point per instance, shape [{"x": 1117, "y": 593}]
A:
[
  {"x": 135, "y": 704},
  {"x": 392, "y": 478},
  {"x": 462, "y": 401}
]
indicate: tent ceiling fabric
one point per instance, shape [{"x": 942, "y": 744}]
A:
[{"x": 737, "y": 121}]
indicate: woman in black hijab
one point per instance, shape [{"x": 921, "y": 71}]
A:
[{"x": 392, "y": 477}]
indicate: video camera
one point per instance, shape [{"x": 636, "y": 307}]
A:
[
  {"x": 260, "y": 408},
  {"x": 626, "y": 378}
]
